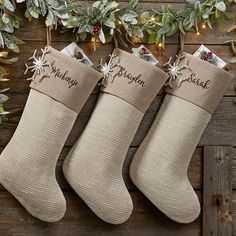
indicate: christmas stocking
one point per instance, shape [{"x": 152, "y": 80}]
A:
[
  {"x": 159, "y": 167},
  {"x": 94, "y": 165},
  {"x": 59, "y": 89}
]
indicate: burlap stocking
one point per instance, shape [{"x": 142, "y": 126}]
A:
[
  {"x": 27, "y": 164},
  {"x": 159, "y": 167},
  {"x": 94, "y": 165}
]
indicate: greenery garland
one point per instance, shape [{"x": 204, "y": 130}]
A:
[
  {"x": 107, "y": 20},
  {"x": 129, "y": 24},
  {"x": 54, "y": 11}
]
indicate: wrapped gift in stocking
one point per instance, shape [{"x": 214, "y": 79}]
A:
[
  {"x": 159, "y": 167},
  {"x": 59, "y": 89},
  {"x": 94, "y": 165}
]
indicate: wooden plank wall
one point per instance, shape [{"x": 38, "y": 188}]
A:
[{"x": 146, "y": 219}]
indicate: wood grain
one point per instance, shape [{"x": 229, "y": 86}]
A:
[
  {"x": 217, "y": 194},
  {"x": 80, "y": 220}
]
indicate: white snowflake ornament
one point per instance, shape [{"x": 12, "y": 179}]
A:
[
  {"x": 38, "y": 65},
  {"x": 174, "y": 70},
  {"x": 107, "y": 68}
]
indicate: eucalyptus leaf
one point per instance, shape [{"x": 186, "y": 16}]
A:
[
  {"x": 133, "y": 4},
  {"x": 197, "y": 5},
  {"x": 164, "y": 29},
  {"x": 49, "y": 19},
  {"x": 206, "y": 13},
  {"x": 33, "y": 13},
  {"x": 233, "y": 60},
  {"x": 8, "y": 28},
  {"x": 152, "y": 38},
  {"x": 9, "y": 6},
  {"x": 102, "y": 36},
  {"x": 83, "y": 36},
  {"x": 112, "y": 6},
  {"x": 137, "y": 32},
  {"x": 111, "y": 32},
  {"x": 110, "y": 22},
  {"x": 5, "y": 19},
  {"x": 4, "y": 113},
  {"x": 3, "y": 98},
  {"x": 36, "y": 2},
  {"x": 4, "y": 90},
  {"x": 209, "y": 23},
  {"x": 144, "y": 17},
  {"x": 191, "y": 1},
  {"x": 43, "y": 7},
  {"x": 96, "y": 4},
  {"x": 220, "y": 6},
  {"x": 129, "y": 16},
  {"x": 1, "y": 40},
  {"x": 181, "y": 27}
]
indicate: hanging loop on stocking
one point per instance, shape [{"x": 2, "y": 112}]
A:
[
  {"x": 48, "y": 36},
  {"x": 181, "y": 38}
]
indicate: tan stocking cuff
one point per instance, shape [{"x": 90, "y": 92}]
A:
[
  {"x": 203, "y": 84},
  {"x": 66, "y": 80},
  {"x": 134, "y": 80}
]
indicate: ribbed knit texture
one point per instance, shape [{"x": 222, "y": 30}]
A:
[
  {"x": 159, "y": 167},
  {"x": 27, "y": 164},
  {"x": 94, "y": 165}
]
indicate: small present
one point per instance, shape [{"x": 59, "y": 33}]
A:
[
  {"x": 76, "y": 52},
  {"x": 145, "y": 54},
  {"x": 207, "y": 55}
]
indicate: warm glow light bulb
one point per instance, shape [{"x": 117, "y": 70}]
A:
[
  {"x": 136, "y": 40},
  {"x": 152, "y": 18},
  {"x": 198, "y": 33},
  {"x": 3, "y": 54},
  {"x": 160, "y": 45},
  {"x": 92, "y": 39},
  {"x": 204, "y": 26}
]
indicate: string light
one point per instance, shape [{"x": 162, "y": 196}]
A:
[
  {"x": 136, "y": 40},
  {"x": 119, "y": 22},
  {"x": 160, "y": 45},
  {"x": 153, "y": 18},
  {"x": 93, "y": 40},
  {"x": 198, "y": 33},
  {"x": 203, "y": 26},
  {"x": 3, "y": 54}
]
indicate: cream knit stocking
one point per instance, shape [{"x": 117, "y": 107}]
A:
[
  {"x": 27, "y": 164},
  {"x": 94, "y": 165},
  {"x": 159, "y": 167}
]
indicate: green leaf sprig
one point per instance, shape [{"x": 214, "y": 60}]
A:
[
  {"x": 157, "y": 25},
  {"x": 8, "y": 22},
  {"x": 105, "y": 21},
  {"x": 54, "y": 11}
]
